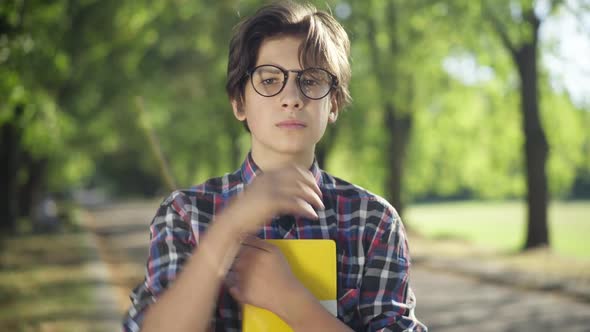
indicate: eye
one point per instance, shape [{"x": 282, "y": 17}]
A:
[
  {"x": 269, "y": 81},
  {"x": 310, "y": 82}
]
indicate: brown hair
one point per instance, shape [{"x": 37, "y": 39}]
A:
[{"x": 325, "y": 45}]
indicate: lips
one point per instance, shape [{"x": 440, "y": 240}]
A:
[{"x": 294, "y": 124}]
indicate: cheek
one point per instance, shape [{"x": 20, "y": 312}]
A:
[
  {"x": 255, "y": 114},
  {"x": 323, "y": 112}
]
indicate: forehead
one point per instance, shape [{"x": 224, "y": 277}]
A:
[{"x": 281, "y": 50}]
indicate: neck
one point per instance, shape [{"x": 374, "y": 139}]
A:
[{"x": 275, "y": 160}]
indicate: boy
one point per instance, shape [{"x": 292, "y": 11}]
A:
[{"x": 288, "y": 76}]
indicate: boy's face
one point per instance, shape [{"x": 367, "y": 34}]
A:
[{"x": 287, "y": 124}]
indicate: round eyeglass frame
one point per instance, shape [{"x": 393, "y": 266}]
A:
[{"x": 297, "y": 80}]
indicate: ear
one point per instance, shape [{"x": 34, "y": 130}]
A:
[
  {"x": 333, "y": 116},
  {"x": 333, "y": 111},
  {"x": 238, "y": 111}
]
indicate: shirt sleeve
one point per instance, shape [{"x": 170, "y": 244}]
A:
[
  {"x": 171, "y": 244},
  {"x": 386, "y": 301}
]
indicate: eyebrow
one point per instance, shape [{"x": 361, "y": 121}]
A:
[
  {"x": 274, "y": 70},
  {"x": 277, "y": 65}
]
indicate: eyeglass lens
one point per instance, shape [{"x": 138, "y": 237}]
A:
[{"x": 269, "y": 80}]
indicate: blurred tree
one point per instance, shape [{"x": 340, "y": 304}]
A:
[
  {"x": 68, "y": 91},
  {"x": 517, "y": 24},
  {"x": 54, "y": 80},
  {"x": 390, "y": 39},
  {"x": 26, "y": 105}
]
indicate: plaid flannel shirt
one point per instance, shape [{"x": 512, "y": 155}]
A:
[{"x": 372, "y": 250}]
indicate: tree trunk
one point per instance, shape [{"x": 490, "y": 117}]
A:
[
  {"x": 399, "y": 127},
  {"x": 31, "y": 192},
  {"x": 536, "y": 147},
  {"x": 9, "y": 164}
]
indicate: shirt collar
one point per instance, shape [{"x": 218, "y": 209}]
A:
[{"x": 250, "y": 170}]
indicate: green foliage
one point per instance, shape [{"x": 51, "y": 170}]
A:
[
  {"x": 77, "y": 67},
  {"x": 567, "y": 145}
]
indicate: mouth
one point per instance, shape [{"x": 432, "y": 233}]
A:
[{"x": 291, "y": 124}]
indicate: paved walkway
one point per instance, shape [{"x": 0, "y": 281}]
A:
[
  {"x": 447, "y": 300},
  {"x": 108, "y": 317}
]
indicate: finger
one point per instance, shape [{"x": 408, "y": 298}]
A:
[
  {"x": 310, "y": 195},
  {"x": 308, "y": 178},
  {"x": 298, "y": 206},
  {"x": 309, "y": 211},
  {"x": 302, "y": 190}
]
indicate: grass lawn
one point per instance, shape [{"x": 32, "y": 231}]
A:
[
  {"x": 45, "y": 284},
  {"x": 501, "y": 225}
]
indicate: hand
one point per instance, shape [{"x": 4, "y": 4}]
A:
[
  {"x": 292, "y": 190},
  {"x": 260, "y": 272}
]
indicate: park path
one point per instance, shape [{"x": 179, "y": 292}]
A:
[{"x": 447, "y": 300}]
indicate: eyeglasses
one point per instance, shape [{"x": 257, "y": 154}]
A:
[{"x": 314, "y": 83}]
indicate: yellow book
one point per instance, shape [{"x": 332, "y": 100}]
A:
[{"x": 313, "y": 262}]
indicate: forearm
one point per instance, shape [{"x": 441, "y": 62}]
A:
[
  {"x": 305, "y": 313},
  {"x": 187, "y": 305}
]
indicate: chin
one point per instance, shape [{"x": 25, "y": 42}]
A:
[{"x": 292, "y": 149}]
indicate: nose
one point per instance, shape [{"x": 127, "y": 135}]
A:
[{"x": 291, "y": 97}]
